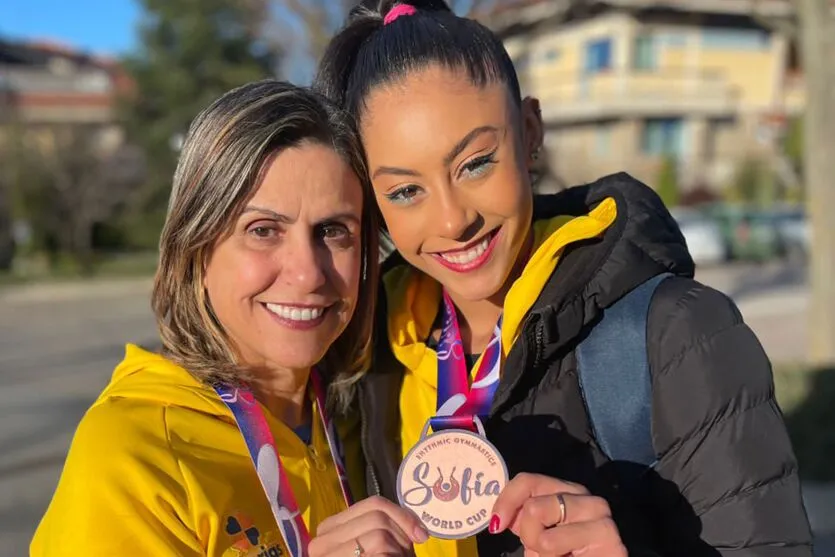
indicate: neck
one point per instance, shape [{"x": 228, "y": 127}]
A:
[
  {"x": 284, "y": 393},
  {"x": 477, "y": 318}
]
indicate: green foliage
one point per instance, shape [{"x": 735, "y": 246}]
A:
[
  {"x": 754, "y": 183},
  {"x": 668, "y": 187},
  {"x": 191, "y": 52},
  {"x": 793, "y": 143}
]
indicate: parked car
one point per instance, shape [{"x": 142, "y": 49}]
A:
[
  {"x": 703, "y": 236},
  {"x": 750, "y": 233},
  {"x": 794, "y": 232}
]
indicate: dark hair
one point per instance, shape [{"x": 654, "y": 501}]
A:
[{"x": 366, "y": 53}]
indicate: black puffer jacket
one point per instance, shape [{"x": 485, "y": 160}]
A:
[{"x": 726, "y": 482}]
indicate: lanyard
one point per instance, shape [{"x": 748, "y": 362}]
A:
[
  {"x": 458, "y": 402},
  {"x": 261, "y": 445}
]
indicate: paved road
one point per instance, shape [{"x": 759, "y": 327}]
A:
[{"x": 58, "y": 346}]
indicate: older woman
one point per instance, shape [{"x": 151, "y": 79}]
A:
[{"x": 224, "y": 444}]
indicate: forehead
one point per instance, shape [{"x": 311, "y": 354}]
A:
[
  {"x": 310, "y": 173},
  {"x": 434, "y": 105}
]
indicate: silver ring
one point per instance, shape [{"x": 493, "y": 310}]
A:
[
  {"x": 358, "y": 551},
  {"x": 563, "y": 512}
]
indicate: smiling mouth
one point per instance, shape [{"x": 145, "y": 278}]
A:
[
  {"x": 470, "y": 257},
  {"x": 297, "y": 314}
]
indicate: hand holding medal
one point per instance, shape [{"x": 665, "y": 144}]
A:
[
  {"x": 374, "y": 526},
  {"x": 452, "y": 477},
  {"x": 554, "y": 518}
]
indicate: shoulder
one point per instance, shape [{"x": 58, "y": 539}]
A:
[
  {"x": 706, "y": 362},
  {"x": 684, "y": 310},
  {"x": 118, "y": 430}
]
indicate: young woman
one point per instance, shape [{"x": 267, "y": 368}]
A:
[
  {"x": 483, "y": 263},
  {"x": 225, "y": 443}
]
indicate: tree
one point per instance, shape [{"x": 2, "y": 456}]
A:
[
  {"x": 190, "y": 53},
  {"x": 668, "y": 188},
  {"x": 814, "y": 30},
  {"x": 306, "y": 26},
  {"x": 817, "y": 36},
  {"x": 6, "y": 238},
  {"x": 76, "y": 179}
]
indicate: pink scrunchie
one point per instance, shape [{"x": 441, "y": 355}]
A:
[{"x": 397, "y": 11}]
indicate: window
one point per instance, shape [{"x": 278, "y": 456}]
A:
[
  {"x": 645, "y": 53},
  {"x": 598, "y": 56},
  {"x": 672, "y": 39},
  {"x": 662, "y": 136},
  {"x": 735, "y": 39},
  {"x": 551, "y": 55},
  {"x": 603, "y": 139}
]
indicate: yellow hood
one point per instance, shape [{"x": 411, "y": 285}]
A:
[
  {"x": 159, "y": 467},
  {"x": 144, "y": 375},
  {"x": 413, "y": 300}
]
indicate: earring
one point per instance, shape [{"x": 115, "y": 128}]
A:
[{"x": 535, "y": 154}]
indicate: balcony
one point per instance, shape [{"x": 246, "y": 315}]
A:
[{"x": 574, "y": 98}]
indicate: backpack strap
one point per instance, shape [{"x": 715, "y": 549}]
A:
[{"x": 615, "y": 379}]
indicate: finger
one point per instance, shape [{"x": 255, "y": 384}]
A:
[
  {"x": 550, "y": 510},
  {"x": 372, "y": 521},
  {"x": 407, "y": 520},
  {"x": 520, "y": 489},
  {"x": 375, "y": 543},
  {"x": 598, "y": 538},
  {"x": 541, "y": 513},
  {"x": 361, "y": 507}
]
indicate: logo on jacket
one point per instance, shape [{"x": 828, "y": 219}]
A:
[{"x": 247, "y": 540}]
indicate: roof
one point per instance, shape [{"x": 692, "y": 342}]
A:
[{"x": 509, "y": 14}]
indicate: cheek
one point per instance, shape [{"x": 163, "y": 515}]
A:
[
  {"x": 511, "y": 194},
  {"x": 348, "y": 271},
  {"x": 235, "y": 276}
]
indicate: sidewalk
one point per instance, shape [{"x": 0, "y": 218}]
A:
[{"x": 89, "y": 289}]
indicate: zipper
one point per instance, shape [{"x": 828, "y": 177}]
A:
[
  {"x": 537, "y": 355},
  {"x": 369, "y": 468}
]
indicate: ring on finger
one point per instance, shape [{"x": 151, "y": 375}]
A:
[
  {"x": 358, "y": 550},
  {"x": 563, "y": 511}
]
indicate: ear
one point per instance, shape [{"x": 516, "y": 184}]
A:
[{"x": 533, "y": 132}]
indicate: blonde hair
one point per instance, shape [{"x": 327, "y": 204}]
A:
[{"x": 222, "y": 157}]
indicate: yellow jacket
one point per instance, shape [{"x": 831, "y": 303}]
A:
[
  {"x": 158, "y": 467},
  {"x": 413, "y": 300}
]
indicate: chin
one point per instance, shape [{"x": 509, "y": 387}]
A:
[
  {"x": 297, "y": 359},
  {"x": 475, "y": 290}
]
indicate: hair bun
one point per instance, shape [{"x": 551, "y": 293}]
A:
[{"x": 382, "y": 7}]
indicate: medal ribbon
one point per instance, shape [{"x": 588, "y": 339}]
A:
[
  {"x": 458, "y": 402},
  {"x": 261, "y": 445}
]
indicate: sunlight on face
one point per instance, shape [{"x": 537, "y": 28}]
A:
[
  {"x": 285, "y": 281},
  {"x": 451, "y": 177}
]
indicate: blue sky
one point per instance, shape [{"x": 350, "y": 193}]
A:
[{"x": 100, "y": 26}]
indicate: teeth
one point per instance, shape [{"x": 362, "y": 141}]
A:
[
  {"x": 462, "y": 258},
  {"x": 295, "y": 313}
]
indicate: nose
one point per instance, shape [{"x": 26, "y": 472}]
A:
[
  {"x": 455, "y": 216},
  {"x": 303, "y": 266}
]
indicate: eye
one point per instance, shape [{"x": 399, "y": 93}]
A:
[
  {"x": 262, "y": 231},
  {"x": 334, "y": 231},
  {"x": 404, "y": 195},
  {"x": 479, "y": 166}
]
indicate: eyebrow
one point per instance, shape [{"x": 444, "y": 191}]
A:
[
  {"x": 284, "y": 219},
  {"x": 454, "y": 152},
  {"x": 269, "y": 212}
]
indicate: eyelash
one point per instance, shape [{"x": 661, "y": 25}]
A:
[
  {"x": 331, "y": 226},
  {"x": 476, "y": 169},
  {"x": 324, "y": 231},
  {"x": 253, "y": 231},
  {"x": 478, "y": 166}
]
